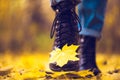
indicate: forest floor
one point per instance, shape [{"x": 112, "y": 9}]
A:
[{"x": 34, "y": 66}]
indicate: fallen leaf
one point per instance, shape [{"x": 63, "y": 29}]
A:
[{"x": 61, "y": 57}]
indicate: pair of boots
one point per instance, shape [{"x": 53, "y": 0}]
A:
[{"x": 66, "y": 27}]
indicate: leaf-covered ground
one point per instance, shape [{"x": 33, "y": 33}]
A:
[{"x": 34, "y": 66}]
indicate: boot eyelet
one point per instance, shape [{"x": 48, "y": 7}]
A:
[
  {"x": 57, "y": 22},
  {"x": 82, "y": 40},
  {"x": 56, "y": 27},
  {"x": 57, "y": 10}
]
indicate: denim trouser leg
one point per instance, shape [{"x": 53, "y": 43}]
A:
[{"x": 91, "y": 13}]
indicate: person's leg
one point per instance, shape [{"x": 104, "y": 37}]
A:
[
  {"x": 91, "y": 13},
  {"x": 65, "y": 25}
]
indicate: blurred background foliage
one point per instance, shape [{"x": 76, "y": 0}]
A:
[{"x": 25, "y": 26}]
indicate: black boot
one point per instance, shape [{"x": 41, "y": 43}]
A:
[
  {"x": 87, "y": 54},
  {"x": 65, "y": 25}
]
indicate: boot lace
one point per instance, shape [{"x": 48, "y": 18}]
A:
[
  {"x": 58, "y": 14},
  {"x": 63, "y": 25}
]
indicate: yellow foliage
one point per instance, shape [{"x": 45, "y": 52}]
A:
[
  {"x": 61, "y": 57},
  {"x": 33, "y": 74},
  {"x": 33, "y": 67},
  {"x": 84, "y": 73}
]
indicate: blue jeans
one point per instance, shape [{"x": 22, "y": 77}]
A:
[{"x": 91, "y": 14}]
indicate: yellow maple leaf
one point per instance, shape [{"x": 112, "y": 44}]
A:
[{"x": 61, "y": 57}]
